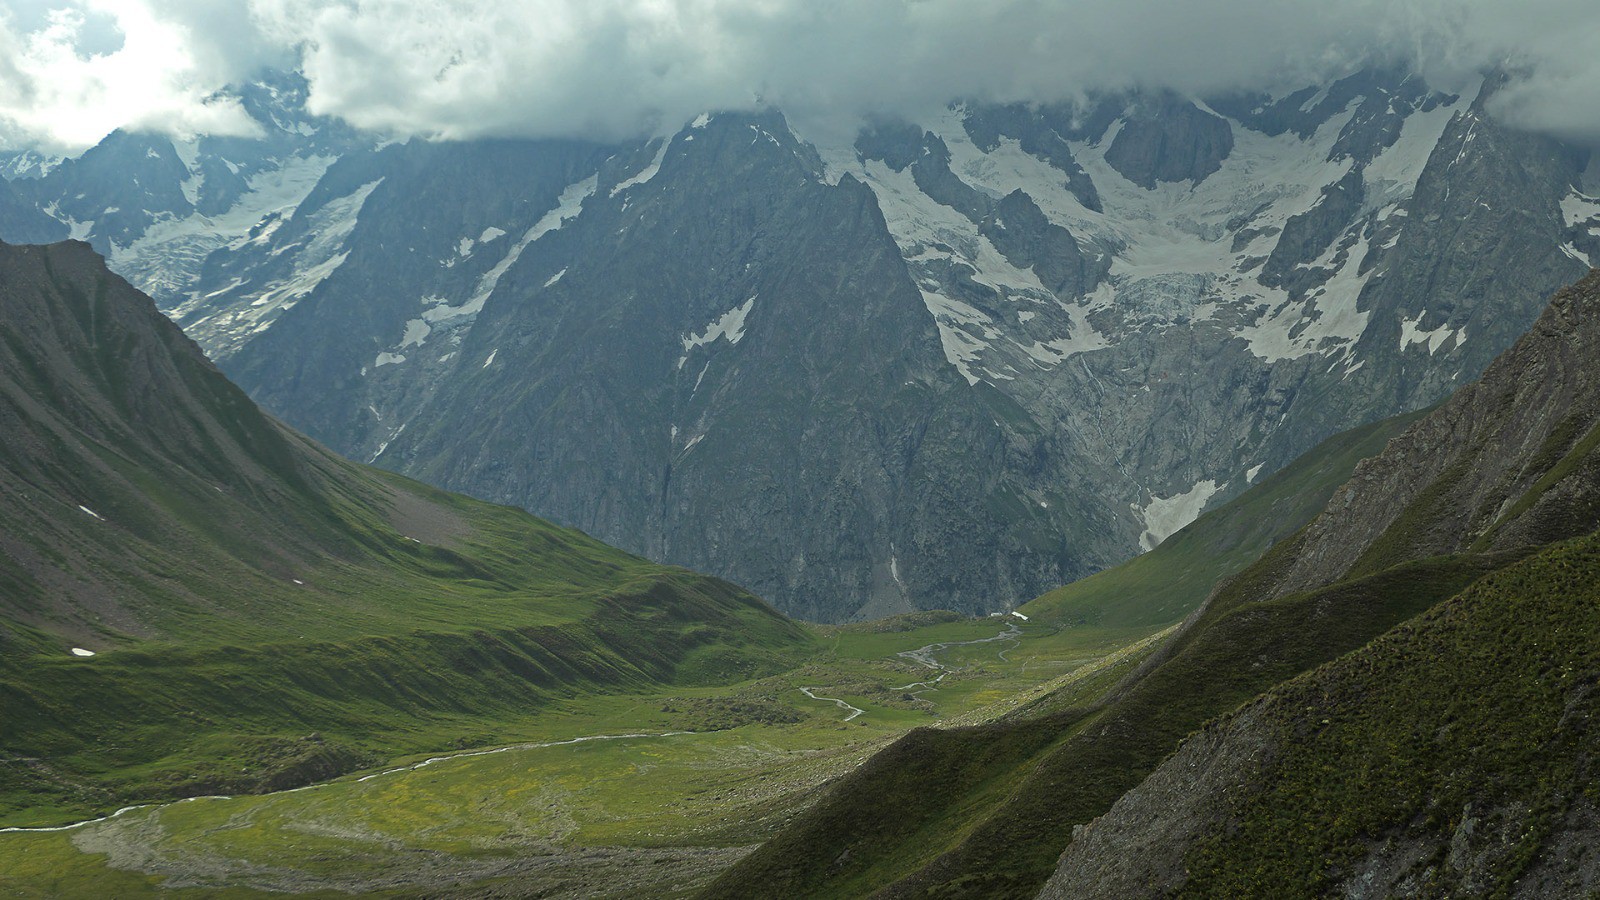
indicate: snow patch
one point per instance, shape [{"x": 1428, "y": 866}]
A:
[
  {"x": 1252, "y": 472},
  {"x": 312, "y": 263},
  {"x": 385, "y": 445},
  {"x": 490, "y": 361},
  {"x": 567, "y": 207},
  {"x": 91, "y": 512},
  {"x": 729, "y": 325},
  {"x": 489, "y": 234},
  {"x": 555, "y": 278},
  {"x": 1412, "y": 333},
  {"x": 79, "y": 651},
  {"x": 647, "y": 173},
  {"x": 388, "y": 359},
  {"x": 417, "y": 331},
  {"x": 166, "y": 260},
  {"x": 932, "y": 237},
  {"x": 1165, "y": 515},
  {"x": 1578, "y": 209}
]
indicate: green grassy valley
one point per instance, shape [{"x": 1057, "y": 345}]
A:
[
  {"x": 197, "y": 600},
  {"x": 615, "y": 792},
  {"x": 296, "y": 632},
  {"x": 233, "y": 664}
]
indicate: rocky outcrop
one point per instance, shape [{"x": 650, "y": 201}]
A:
[
  {"x": 1505, "y": 463},
  {"x": 1309, "y": 235},
  {"x": 1044, "y": 132},
  {"x": 1167, "y": 138}
]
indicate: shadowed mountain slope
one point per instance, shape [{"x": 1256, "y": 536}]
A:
[{"x": 244, "y": 588}]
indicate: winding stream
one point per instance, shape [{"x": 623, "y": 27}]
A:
[{"x": 925, "y": 656}]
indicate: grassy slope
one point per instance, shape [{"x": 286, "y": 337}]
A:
[
  {"x": 653, "y": 816},
  {"x": 415, "y": 649},
  {"x": 1172, "y": 580},
  {"x": 265, "y": 613},
  {"x": 1479, "y": 707},
  {"x": 1095, "y": 754}
]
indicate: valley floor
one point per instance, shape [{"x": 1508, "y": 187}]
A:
[{"x": 647, "y": 794}]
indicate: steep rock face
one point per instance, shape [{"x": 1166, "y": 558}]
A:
[
  {"x": 1463, "y": 704},
  {"x": 703, "y": 390},
  {"x": 1167, "y": 138},
  {"x": 22, "y": 223}
]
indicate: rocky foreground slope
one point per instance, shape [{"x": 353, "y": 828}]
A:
[{"x": 1455, "y": 755}]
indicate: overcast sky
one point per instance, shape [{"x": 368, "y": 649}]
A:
[{"x": 73, "y": 70}]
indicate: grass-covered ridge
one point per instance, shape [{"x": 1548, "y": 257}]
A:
[
  {"x": 265, "y": 614},
  {"x": 1464, "y": 739},
  {"x": 415, "y": 649}
]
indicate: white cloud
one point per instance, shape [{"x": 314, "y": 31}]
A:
[
  {"x": 85, "y": 68},
  {"x": 606, "y": 68}
]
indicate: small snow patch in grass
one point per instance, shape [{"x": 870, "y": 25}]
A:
[
  {"x": 91, "y": 512},
  {"x": 490, "y": 360},
  {"x": 490, "y": 234},
  {"x": 79, "y": 651},
  {"x": 1019, "y": 615}
]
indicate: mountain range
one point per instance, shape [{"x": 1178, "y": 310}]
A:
[{"x": 942, "y": 364}]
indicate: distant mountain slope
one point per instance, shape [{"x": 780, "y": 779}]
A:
[
  {"x": 1518, "y": 444},
  {"x": 1171, "y": 581},
  {"x": 1059, "y": 333},
  {"x": 22, "y": 222},
  {"x": 243, "y": 588}
]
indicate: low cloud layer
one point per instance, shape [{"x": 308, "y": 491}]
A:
[{"x": 71, "y": 71}]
